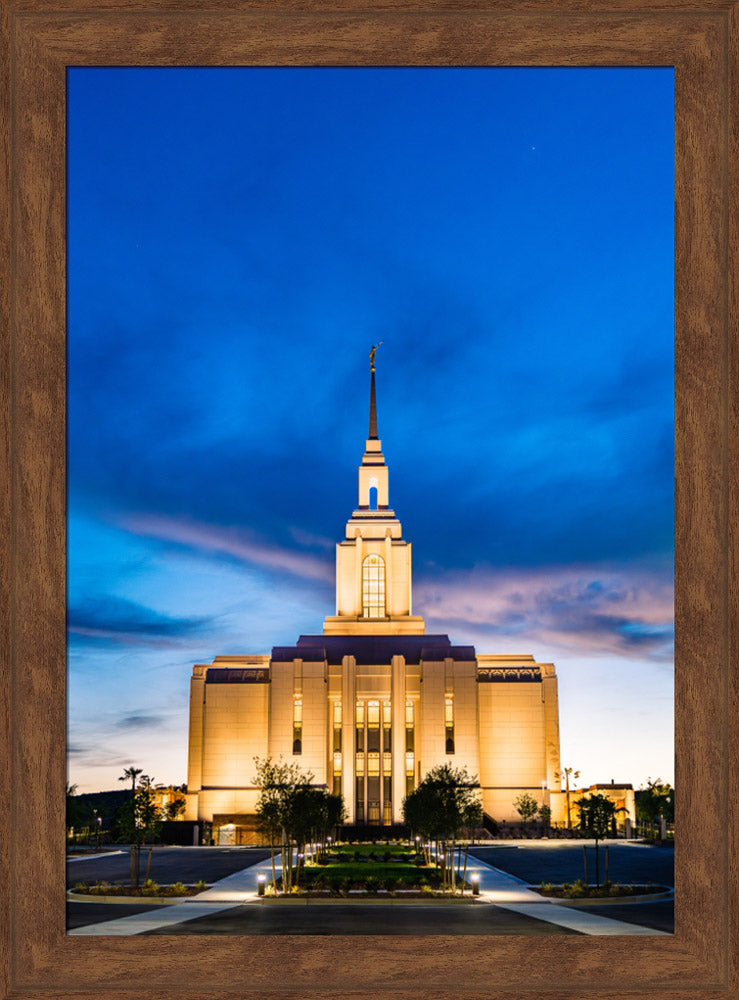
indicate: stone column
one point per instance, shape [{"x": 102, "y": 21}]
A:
[
  {"x": 398, "y": 741},
  {"x": 348, "y": 702}
]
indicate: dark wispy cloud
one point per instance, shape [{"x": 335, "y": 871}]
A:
[
  {"x": 140, "y": 720},
  {"x": 110, "y": 620}
]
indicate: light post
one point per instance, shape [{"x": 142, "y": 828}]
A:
[
  {"x": 475, "y": 880},
  {"x": 261, "y": 882}
]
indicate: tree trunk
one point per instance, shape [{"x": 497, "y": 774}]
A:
[
  {"x": 597, "y": 871},
  {"x": 148, "y": 863},
  {"x": 274, "y": 869},
  {"x": 464, "y": 874}
]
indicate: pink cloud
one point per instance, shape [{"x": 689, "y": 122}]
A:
[
  {"x": 231, "y": 542},
  {"x": 585, "y": 609}
]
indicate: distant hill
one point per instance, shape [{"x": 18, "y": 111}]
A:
[{"x": 81, "y": 807}]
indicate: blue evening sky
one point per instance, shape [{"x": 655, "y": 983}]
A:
[{"x": 238, "y": 239}]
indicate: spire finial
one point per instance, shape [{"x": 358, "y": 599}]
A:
[
  {"x": 373, "y": 404},
  {"x": 373, "y": 351}
]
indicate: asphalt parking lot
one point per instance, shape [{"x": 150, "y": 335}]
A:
[
  {"x": 562, "y": 861},
  {"x": 390, "y": 920},
  {"x": 168, "y": 864}
]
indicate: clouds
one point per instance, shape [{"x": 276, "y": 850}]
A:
[
  {"x": 139, "y": 721},
  {"x": 232, "y": 256},
  {"x": 105, "y": 620},
  {"x": 597, "y": 611},
  {"x": 233, "y": 543}
]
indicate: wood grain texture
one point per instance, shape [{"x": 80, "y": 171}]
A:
[{"x": 39, "y": 40}]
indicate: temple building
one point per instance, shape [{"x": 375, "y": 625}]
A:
[{"x": 374, "y": 701}]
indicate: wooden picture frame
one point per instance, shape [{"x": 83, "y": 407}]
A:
[{"x": 40, "y": 39}]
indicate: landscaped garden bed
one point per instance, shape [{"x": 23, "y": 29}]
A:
[
  {"x": 368, "y": 870},
  {"x": 149, "y": 888},
  {"x": 608, "y": 890}
]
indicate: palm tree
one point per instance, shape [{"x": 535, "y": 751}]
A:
[
  {"x": 566, "y": 773},
  {"x": 132, "y": 773}
]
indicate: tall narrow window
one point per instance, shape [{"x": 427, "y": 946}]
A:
[
  {"x": 409, "y": 772},
  {"x": 373, "y": 587},
  {"x": 336, "y": 747},
  {"x": 359, "y": 717},
  {"x": 449, "y": 723},
  {"x": 410, "y": 740},
  {"x": 297, "y": 726},
  {"x": 337, "y": 725},
  {"x": 387, "y": 727}
]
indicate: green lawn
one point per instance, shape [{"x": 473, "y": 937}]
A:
[{"x": 361, "y": 866}]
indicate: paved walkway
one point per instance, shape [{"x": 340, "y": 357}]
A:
[{"x": 496, "y": 888}]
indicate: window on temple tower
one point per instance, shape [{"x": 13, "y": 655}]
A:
[{"x": 373, "y": 587}]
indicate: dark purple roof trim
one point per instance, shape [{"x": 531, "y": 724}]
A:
[
  {"x": 237, "y": 675},
  {"x": 373, "y": 648}
]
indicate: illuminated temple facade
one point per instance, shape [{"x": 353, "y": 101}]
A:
[{"x": 373, "y": 702}]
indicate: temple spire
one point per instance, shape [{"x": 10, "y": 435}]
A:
[{"x": 373, "y": 402}]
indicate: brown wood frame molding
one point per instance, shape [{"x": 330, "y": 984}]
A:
[{"x": 40, "y": 39}]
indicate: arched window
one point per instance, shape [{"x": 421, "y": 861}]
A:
[{"x": 373, "y": 587}]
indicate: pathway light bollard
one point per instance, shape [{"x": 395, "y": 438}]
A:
[
  {"x": 261, "y": 882},
  {"x": 475, "y": 880}
]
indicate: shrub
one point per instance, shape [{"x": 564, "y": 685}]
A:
[
  {"x": 390, "y": 883},
  {"x": 357, "y": 855},
  {"x": 372, "y": 883},
  {"x": 176, "y": 889},
  {"x": 200, "y": 885},
  {"x": 547, "y": 887},
  {"x": 578, "y": 889},
  {"x": 80, "y": 886},
  {"x": 150, "y": 888}
]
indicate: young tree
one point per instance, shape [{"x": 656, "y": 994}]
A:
[
  {"x": 293, "y": 812},
  {"x": 526, "y": 807},
  {"x": 139, "y": 821},
  {"x": 655, "y": 801},
  {"x": 596, "y": 815},
  {"x": 545, "y": 816},
  {"x": 439, "y": 808}
]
